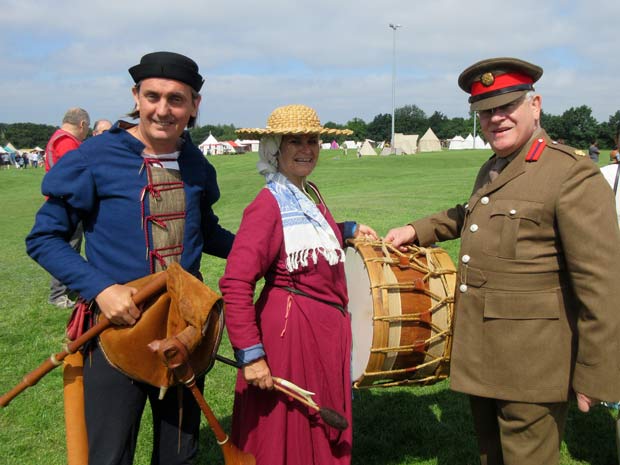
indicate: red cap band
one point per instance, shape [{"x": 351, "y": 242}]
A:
[{"x": 501, "y": 81}]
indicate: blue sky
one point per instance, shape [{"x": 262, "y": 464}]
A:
[{"x": 333, "y": 55}]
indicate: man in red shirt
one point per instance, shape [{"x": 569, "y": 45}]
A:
[{"x": 74, "y": 129}]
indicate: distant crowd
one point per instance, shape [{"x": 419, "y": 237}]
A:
[{"x": 24, "y": 160}]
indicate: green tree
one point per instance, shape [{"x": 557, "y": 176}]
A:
[
  {"x": 220, "y": 132},
  {"x": 579, "y": 126},
  {"x": 410, "y": 119},
  {"x": 380, "y": 128},
  {"x": 27, "y": 135},
  {"x": 554, "y": 126},
  {"x": 439, "y": 123},
  {"x": 359, "y": 128},
  {"x": 608, "y": 132}
]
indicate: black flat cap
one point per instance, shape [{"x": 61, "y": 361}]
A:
[
  {"x": 168, "y": 65},
  {"x": 497, "y": 81}
]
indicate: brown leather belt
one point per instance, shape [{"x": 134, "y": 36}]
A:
[{"x": 339, "y": 307}]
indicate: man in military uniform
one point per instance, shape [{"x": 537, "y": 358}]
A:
[{"x": 536, "y": 304}]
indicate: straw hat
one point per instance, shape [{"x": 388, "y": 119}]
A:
[{"x": 292, "y": 119}]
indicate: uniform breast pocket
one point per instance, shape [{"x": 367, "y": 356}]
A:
[{"x": 511, "y": 221}]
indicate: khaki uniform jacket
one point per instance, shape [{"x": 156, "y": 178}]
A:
[{"x": 537, "y": 302}]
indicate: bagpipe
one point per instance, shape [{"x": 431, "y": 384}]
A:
[{"x": 175, "y": 339}]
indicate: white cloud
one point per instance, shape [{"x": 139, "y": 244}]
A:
[{"x": 333, "y": 55}]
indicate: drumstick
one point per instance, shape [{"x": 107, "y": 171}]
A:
[{"x": 329, "y": 416}]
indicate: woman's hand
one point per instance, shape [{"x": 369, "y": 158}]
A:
[
  {"x": 116, "y": 304},
  {"x": 364, "y": 231},
  {"x": 257, "y": 374}
]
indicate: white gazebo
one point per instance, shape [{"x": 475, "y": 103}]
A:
[{"x": 210, "y": 146}]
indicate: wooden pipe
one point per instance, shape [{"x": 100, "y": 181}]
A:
[
  {"x": 157, "y": 284},
  {"x": 175, "y": 355}
]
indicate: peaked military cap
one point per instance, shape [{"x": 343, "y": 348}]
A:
[
  {"x": 495, "y": 82},
  {"x": 168, "y": 65}
]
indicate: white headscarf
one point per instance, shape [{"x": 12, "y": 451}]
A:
[
  {"x": 267, "y": 150},
  {"x": 306, "y": 231}
]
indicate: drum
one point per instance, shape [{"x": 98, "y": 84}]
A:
[{"x": 402, "y": 308}]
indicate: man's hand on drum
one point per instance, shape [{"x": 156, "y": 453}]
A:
[
  {"x": 364, "y": 231},
  {"x": 399, "y": 237},
  {"x": 257, "y": 373},
  {"x": 116, "y": 304}
]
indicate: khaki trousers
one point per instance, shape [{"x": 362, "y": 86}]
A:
[{"x": 518, "y": 433}]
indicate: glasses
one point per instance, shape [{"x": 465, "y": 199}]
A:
[{"x": 507, "y": 109}]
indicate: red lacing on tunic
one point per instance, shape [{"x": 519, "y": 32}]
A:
[{"x": 154, "y": 190}]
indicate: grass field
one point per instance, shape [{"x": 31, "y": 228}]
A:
[{"x": 394, "y": 426}]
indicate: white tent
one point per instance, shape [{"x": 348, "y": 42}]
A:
[
  {"x": 405, "y": 143},
  {"x": 478, "y": 142},
  {"x": 210, "y": 146},
  {"x": 366, "y": 149},
  {"x": 468, "y": 143},
  {"x": 429, "y": 142},
  {"x": 251, "y": 144},
  {"x": 349, "y": 144},
  {"x": 456, "y": 143}
]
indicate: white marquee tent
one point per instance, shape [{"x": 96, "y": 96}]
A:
[
  {"x": 210, "y": 146},
  {"x": 366, "y": 149},
  {"x": 429, "y": 142},
  {"x": 405, "y": 143},
  {"x": 456, "y": 143}
]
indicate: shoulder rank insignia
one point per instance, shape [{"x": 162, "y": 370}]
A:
[
  {"x": 536, "y": 150},
  {"x": 581, "y": 153}
]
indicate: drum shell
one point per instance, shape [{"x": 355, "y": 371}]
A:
[{"x": 412, "y": 301}]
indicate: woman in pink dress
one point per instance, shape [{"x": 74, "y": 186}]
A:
[{"x": 299, "y": 328}]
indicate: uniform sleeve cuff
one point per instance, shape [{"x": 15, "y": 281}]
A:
[{"x": 249, "y": 354}]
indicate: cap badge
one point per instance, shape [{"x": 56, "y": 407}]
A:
[{"x": 487, "y": 79}]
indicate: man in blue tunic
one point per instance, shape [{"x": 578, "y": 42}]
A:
[{"x": 145, "y": 195}]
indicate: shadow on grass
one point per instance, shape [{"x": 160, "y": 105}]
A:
[
  {"x": 591, "y": 437},
  {"x": 433, "y": 425},
  {"x": 412, "y": 425}
]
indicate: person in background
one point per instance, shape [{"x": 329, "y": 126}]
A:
[
  {"x": 594, "y": 152},
  {"x": 536, "y": 316},
  {"x": 74, "y": 129},
  {"x": 299, "y": 329},
  {"x": 100, "y": 126},
  {"x": 34, "y": 159},
  {"x": 134, "y": 227}
]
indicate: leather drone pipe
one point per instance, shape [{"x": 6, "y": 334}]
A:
[
  {"x": 157, "y": 284},
  {"x": 175, "y": 355}
]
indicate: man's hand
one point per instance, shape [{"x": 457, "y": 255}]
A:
[
  {"x": 116, "y": 304},
  {"x": 584, "y": 402},
  {"x": 257, "y": 373},
  {"x": 400, "y": 236}
]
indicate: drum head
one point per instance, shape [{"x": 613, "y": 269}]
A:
[{"x": 361, "y": 310}]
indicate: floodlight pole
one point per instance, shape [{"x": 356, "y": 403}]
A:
[
  {"x": 475, "y": 115},
  {"x": 394, "y": 28}
]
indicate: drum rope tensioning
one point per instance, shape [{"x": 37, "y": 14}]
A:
[{"x": 402, "y": 308}]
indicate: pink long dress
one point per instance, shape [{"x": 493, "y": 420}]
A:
[{"x": 305, "y": 341}]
